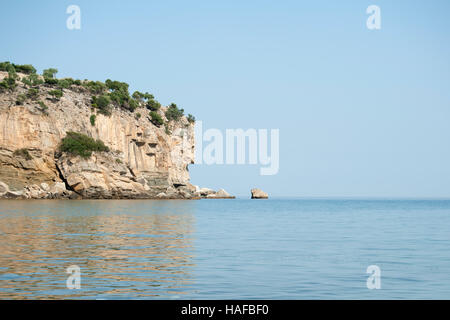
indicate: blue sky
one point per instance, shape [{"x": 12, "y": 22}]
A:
[{"x": 360, "y": 112}]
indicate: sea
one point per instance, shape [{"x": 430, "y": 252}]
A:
[{"x": 280, "y": 248}]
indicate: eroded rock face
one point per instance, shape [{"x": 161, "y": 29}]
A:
[
  {"x": 144, "y": 160},
  {"x": 259, "y": 194}
]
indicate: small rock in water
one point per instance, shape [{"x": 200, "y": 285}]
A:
[
  {"x": 222, "y": 194},
  {"x": 259, "y": 194}
]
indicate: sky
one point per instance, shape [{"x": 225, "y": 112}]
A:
[{"x": 360, "y": 113}]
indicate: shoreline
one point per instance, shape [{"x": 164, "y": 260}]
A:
[{"x": 84, "y": 199}]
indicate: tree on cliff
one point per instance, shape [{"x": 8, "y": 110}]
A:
[
  {"x": 173, "y": 113},
  {"x": 49, "y": 76},
  {"x": 78, "y": 144}
]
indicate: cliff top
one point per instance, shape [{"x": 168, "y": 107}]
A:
[{"x": 25, "y": 87}]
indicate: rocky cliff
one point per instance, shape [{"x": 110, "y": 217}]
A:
[{"x": 144, "y": 161}]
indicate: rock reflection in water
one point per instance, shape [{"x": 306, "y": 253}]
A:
[{"x": 125, "y": 249}]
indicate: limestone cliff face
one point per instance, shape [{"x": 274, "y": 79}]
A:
[{"x": 145, "y": 161}]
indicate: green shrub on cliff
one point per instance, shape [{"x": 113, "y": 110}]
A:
[
  {"x": 21, "y": 98},
  {"x": 95, "y": 87},
  {"x": 49, "y": 76},
  {"x": 191, "y": 118},
  {"x": 32, "y": 80},
  {"x": 43, "y": 107},
  {"x": 92, "y": 119},
  {"x": 116, "y": 86},
  {"x": 121, "y": 97},
  {"x": 27, "y": 81},
  {"x": 56, "y": 94},
  {"x": 33, "y": 93},
  {"x": 139, "y": 96},
  {"x": 25, "y": 68},
  {"x": 153, "y": 105},
  {"x": 156, "y": 119},
  {"x": 49, "y": 73},
  {"x": 133, "y": 105},
  {"x": 10, "y": 81},
  {"x": 78, "y": 144},
  {"x": 173, "y": 113},
  {"x": 7, "y": 67},
  {"x": 3, "y": 86},
  {"x": 118, "y": 91},
  {"x": 148, "y": 99},
  {"x": 67, "y": 82},
  {"x": 102, "y": 103}
]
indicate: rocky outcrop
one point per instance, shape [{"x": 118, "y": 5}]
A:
[
  {"x": 145, "y": 161},
  {"x": 259, "y": 194},
  {"x": 207, "y": 193},
  {"x": 221, "y": 194}
]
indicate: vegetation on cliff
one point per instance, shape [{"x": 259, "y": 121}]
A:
[
  {"x": 49, "y": 76},
  {"x": 8, "y": 66},
  {"x": 102, "y": 103},
  {"x": 56, "y": 94},
  {"x": 21, "y": 98},
  {"x": 9, "y": 83},
  {"x": 78, "y": 144},
  {"x": 43, "y": 107},
  {"x": 156, "y": 118},
  {"x": 173, "y": 113},
  {"x": 32, "y": 80},
  {"x": 32, "y": 93},
  {"x": 104, "y": 95},
  {"x": 191, "y": 118}
]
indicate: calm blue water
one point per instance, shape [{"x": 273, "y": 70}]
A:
[{"x": 225, "y": 249}]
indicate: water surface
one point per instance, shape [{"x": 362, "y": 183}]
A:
[{"x": 225, "y": 249}]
